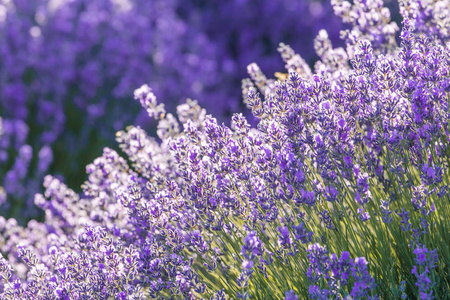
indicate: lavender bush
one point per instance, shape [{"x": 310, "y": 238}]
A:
[
  {"x": 68, "y": 67},
  {"x": 339, "y": 192}
]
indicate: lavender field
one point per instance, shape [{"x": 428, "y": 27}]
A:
[{"x": 192, "y": 149}]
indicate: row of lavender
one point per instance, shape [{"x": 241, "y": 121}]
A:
[
  {"x": 341, "y": 191},
  {"x": 67, "y": 69}
]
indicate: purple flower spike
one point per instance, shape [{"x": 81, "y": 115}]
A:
[{"x": 290, "y": 295}]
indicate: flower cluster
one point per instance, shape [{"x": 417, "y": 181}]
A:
[
  {"x": 425, "y": 261},
  {"x": 350, "y": 158},
  {"x": 68, "y": 67},
  {"x": 319, "y": 271}
]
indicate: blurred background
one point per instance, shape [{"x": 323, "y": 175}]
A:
[{"x": 68, "y": 69}]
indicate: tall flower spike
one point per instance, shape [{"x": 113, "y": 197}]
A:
[{"x": 148, "y": 101}]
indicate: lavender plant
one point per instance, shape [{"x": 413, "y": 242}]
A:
[
  {"x": 68, "y": 67},
  {"x": 339, "y": 192}
]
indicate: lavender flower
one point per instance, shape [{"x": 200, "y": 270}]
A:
[
  {"x": 319, "y": 271},
  {"x": 290, "y": 295},
  {"x": 207, "y": 210},
  {"x": 68, "y": 68}
]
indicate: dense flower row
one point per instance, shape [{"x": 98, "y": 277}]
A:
[
  {"x": 341, "y": 191},
  {"x": 68, "y": 67}
]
